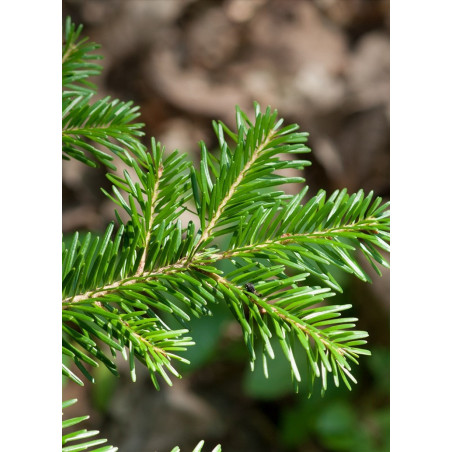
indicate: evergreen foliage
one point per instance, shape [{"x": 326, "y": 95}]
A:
[
  {"x": 120, "y": 288},
  {"x": 81, "y": 435},
  {"x": 88, "y": 126}
]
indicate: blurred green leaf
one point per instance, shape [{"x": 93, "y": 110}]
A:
[
  {"x": 336, "y": 426},
  {"x": 206, "y": 333},
  {"x": 103, "y": 389},
  {"x": 379, "y": 365},
  {"x": 279, "y": 384}
]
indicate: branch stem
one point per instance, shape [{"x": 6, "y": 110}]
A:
[
  {"x": 184, "y": 263},
  {"x": 180, "y": 265},
  {"x": 151, "y": 220}
]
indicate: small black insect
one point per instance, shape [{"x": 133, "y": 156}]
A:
[{"x": 251, "y": 289}]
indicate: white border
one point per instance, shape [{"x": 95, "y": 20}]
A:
[
  {"x": 30, "y": 225},
  {"x": 421, "y": 125}
]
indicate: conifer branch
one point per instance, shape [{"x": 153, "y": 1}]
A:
[
  {"x": 155, "y": 192},
  {"x": 140, "y": 277},
  {"x": 213, "y": 222},
  {"x": 77, "y": 441},
  {"x": 118, "y": 288}
]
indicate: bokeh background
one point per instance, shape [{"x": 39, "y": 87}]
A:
[{"x": 323, "y": 64}]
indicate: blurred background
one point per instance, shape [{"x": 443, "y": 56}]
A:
[{"x": 323, "y": 64}]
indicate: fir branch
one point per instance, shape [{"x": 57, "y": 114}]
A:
[
  {"x": 76, "y": 441},
  {"x": 286, "y": 233},
  {"x": 232, "y": 190},
  {"x": 76, "y": 61},
  {"x": 155, "y": 193},
  {"x": 107, "y": 124},
  {"x": 331, "y": 342},
  {"x": 142, "y": 277},
  {"x": 116, "y": 287}
]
